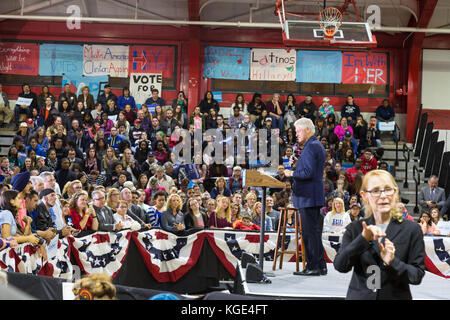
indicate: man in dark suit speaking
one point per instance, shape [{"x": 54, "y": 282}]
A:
[{"x": 308, "y": 194}]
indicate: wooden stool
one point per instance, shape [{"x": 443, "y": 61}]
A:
[{"x": 279, "y": 249}]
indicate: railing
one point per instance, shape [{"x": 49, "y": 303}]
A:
[
  {"x": 416, "y": 177},
  {"x": 406, "y": 157}
]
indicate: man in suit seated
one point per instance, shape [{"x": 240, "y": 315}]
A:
[
  {"x": 81, "y": 140},
  {"x": 431, "y": 196},
  {"x": 105, "y": 214}
]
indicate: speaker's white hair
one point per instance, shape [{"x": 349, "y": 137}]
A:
[{"x": 304, "y": 123}]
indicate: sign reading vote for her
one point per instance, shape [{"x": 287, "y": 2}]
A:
[
  {"x": 273, "y": 64},
  {"x": 104, "y": 60},
  {"x": 57, "y": 59},
  {"x": 319, "y": 66},
  {"x": 226, "y": 63},
  {"x": 361, "y": 67},
  {"x": 19, "y": 58}
]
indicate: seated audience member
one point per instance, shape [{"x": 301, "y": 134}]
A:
[
  {"x": 341, "y": 193},
  {"x": 220, "y": 218},
  {"x": 373, "y": 134},
  {"x": 431, "y": 196},
  {"x": 121, "y": 217},
  {"x": 172, "y": 219},
  {"x": 403, "y": 210},
  {"x": 342, "y": 128},
  {"x": 427, "y": 225},
  {"x": 256, "y": 217},
  {"x": 105, "y": 215},
  {"x": 235, "y": 181},
  {"x": 368, "y": 162},
  {"x": 195, "y": 218},
  {"x": 326, "y": 109},
  {"x": 155, "y": 211},
  {"x": 337, "y": 219},
  {"x": 385, "y": 112},
  {"x": 273, "y": 214},
  {"x": 246, "y": 223},
  {"x": 220, "y": 189},
  {"x": 353, "y": 171},
  {"x": 435, "y": 215},
  {"x": 235, "y": 212},
  {"x": 354, "y": 212},
  {"x": 348, "y": 142},
  {"x": 350, "y": 110},
  {"x": 83, "y": 218},
  {"x": 307, "y": 109}
]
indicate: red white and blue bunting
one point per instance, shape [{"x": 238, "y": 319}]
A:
[{"x": 169, "y": 257}]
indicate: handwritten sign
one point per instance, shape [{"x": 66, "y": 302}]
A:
[
  {"x": 19, "y": 58},
  {"x": 152, "y": 59},
  {"x": 21, "y": 101},
  {"x": 58, "y": 59},
  {"x": 103, "y": 60},
  {"x": 226, "y": 63},
  {"x": 319, "y": 66},
  {"x": 273, "y": 64},
  {"x": 364, "y": 68},
  {"x": 141, "y": 85},
  {"x": 77, "y": 82}
]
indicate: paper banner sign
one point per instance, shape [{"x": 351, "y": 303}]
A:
[
  {"x": 59, "y": 59},
  {"x": 152, "y": 59},
  {"x": 103, "y": 60},
  {"x": 19, "y": 58},
  {"x": 141, "y": 85},
  {"x": 226, "y": 63},
  {"x": 364, "y": 68},
  {"x": 77, "y": 82},
  {"x": 273, "y": 64},
  {"x": 319, "y": 66}
]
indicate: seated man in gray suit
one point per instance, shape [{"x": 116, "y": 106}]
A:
[
  {"x": 104, "y": 214},
  {"x": 431, "y": 196}
]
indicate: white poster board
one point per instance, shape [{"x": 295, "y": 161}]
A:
[
  {"x": 273, "y": 64},
  {"x": 104, "y": 60},
  {"x": 141, "y": 85}
]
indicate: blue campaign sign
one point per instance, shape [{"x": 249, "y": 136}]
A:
[
  {"x": 226, "y": 63},
  {"x": 319, "y": 66},
  {"x": 77, "y": 82},
  {"x": 59, "y": 59}
]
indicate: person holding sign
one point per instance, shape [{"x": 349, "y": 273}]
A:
[
  {"x": 154, "y": 101},
  {"x": 26, "y": 101}
]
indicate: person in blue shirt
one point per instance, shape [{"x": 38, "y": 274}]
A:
[
  {"x": 155, "y": 100},
  {"x": 125, "y": 99},
  {"x": 350, "y": 142},
  {"x": 114, "y": 139},
  {"x": 34, "y": 145},
  {"x": 385, "y": 112},
  {"x": 106, "y": 96},
  {"x": 154, "y": 212}
]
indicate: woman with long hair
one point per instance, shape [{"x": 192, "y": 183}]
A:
[
  {"x": 240, "y": 101},
  {"x": 337, "y": 219},
  {"x": 126, "y": 99},
  {"x": 435, "y": 215},
  {"x": 427, "y": 225},
  {"x": 208, "y": 102},
  {"x": 383, "y": 239},
  {"x": 101, "y": 147},
  {"x": 172, "y": 219},
  {"x": 109, "y": 159},
  {"x": 42, "y": 139},
  {"x": 106, "y": 124},
  {"x": 112, "y": 199},
  {"x": 142, "y": 151},
  {"x": 121, "y": 118},
  {"x": 142, "y": 181},
  {"x": 195, "y": 218},
  {"x": 181, "y": 101},
  {"x": 83, "y": 218},
  {"x": 235, "y": 213},
  {"x": 220, "y": 188},
  {"x": 221, "y": 217},
  {"x": 180, "y": 116},
  {"x": 256, "y": 217},
  {"x": 92, "y": 162}
]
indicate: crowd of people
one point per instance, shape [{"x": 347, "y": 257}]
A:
[{"x": 78, "y": 163}]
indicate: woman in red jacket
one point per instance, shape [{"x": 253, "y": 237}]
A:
[{"x": 83, "y": 218}]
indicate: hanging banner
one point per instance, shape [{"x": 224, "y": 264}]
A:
[
  {"x": 152, "y": 59},
  {"x": 226, "y": 63},
  {"x": 141, "y": 85},
  {"x": 273, "y": 64},
  {"x": 77, "y": 82},
  {"x": 19, "y": 58},
  {"x": 364, "y": 68},
  {"x": 58, "y": 59},
  {"x": 319, "y": 66},
  {"x": 103, "y": 60}
]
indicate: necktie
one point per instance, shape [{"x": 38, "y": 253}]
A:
[{"x": 432, "y": 195}]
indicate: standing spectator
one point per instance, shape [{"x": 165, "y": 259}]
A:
[
  {"x": 45, "y": 93},
  {"x": 272, "y": 213},
  {"x": 64, "y": 174}
]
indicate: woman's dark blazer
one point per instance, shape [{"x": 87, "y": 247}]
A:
[{"x": 408, "y": 266}]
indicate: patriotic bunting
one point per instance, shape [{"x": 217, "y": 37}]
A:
[{"x": 169, "y": 257}]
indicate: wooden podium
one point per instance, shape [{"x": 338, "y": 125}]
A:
[{"x": 254, "y": 178}]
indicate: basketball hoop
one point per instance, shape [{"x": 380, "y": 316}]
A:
[{"x": 330, "y": 19}]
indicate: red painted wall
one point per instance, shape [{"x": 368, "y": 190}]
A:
[{"x": 120, "y": 33}]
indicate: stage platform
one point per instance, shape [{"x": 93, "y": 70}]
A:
[{"x": 286, "y": 285}]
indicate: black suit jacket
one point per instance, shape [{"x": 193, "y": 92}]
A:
[{"x": 408, "y": 266}]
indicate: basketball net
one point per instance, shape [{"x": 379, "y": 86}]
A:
[{"x": 330, "y": 19}]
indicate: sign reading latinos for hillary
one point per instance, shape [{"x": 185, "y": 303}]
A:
[
  {"x": 152, "y": 59},
  {"x": 319, "y": 66},
  {"x": 103, "y": 60},
  {"x": 58, "y": 59},
  {"x": 273, "y": 64},
  {"x": 19, "y": 58},
  {"x": 141, "y": 85},
  {"x": 226, "y": 63},
  {"x": 364, "y": 68}
]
